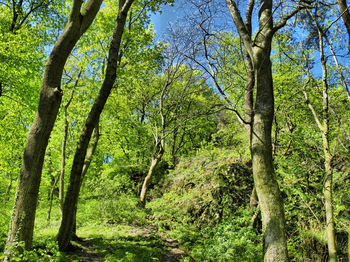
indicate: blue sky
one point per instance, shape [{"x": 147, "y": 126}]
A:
[{"x": 169, "y": 15}]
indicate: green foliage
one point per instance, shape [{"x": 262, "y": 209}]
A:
[
  {"x": 206, "y": 188},
  {"x": 48, "y": 251},
  {"x": 231, "y": 240},
  {"x": 110, "y": 198},
  {"x": 4, "y": 222},
  {"x": 122, "y": 242},
  {"x": 113, "y": 209},
  {"x": 299, "y": 155},
  {"x": 203, "y": 200},
  {"x": 231, "y": 69},
  {"x": 132, "y": 249},
  {"x": 204, "y": 204},
  {"x": 26, "y": 28}
]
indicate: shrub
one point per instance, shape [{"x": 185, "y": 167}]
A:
[
  {"x": 46, "y": 252},
  {"x": 231, "y": 240}
]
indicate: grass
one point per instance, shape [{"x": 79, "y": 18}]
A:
[
  {"x": 102, "y": 241},
  {"x": 110, "y": 243},
  {"x": 124, "y": 243}
]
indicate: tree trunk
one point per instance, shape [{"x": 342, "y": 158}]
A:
[
  {"x": 48, "y": 217},
  {"x": 63, "y": 162},
  {"x": 154, "y": 163},
  {"x": 328, "y": 182},
  {"x": 269, "y": 195},
  {"x": 90, "y": 152},
  {"x": 88, "y": 159},
  {"x": 270, "y": 200},
  {"x": 249, "y": 113},
  {"x": 328, "y": 197},
  {"x": 249, "y": 100},
  {"x": 346, "y": 16},
  {"x": 22, "y": 221},
  {"x": 324, "y": 128},
  {"x": 253, "y": 200},
  {"x": 64, "y": 144},
  {"x": 249, "y": 88},
  {"x": 71, "y": 199}
]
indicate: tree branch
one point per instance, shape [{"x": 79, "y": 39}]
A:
[
  {"x": 303, "y": 88},
  {"x": 88, "y": 13},
  {"x": 242, "y": 29},
  {"x": 285, "y": 20}
]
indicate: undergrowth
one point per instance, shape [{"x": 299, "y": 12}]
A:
[{"x": 204, "y": 205}]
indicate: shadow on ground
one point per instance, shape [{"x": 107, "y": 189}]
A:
[{"x": 137, "y": 248}]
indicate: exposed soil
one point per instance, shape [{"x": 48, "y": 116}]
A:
[
  {"x": 174, "y": 253},
  {"x": 85, "y": 252}
]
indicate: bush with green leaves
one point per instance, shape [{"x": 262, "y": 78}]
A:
[
  {"x": 5, "y": 216},
  {"x": 112, "y": 209},
  {"x": 204, "y": 189},
  {"x": 231, "y": 240},
  {"x": 204, "y": 205},
  {"x": 46, "y": 251}
]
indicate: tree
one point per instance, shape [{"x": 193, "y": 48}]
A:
[
  {"x": 64, "y": 145},
  {"x": 71, "y": 199},
  {"x": 324, "y": 128},
  {"x": 26, "y": 28},
  {"x": 22, "y": 223},
  {"x": 270, "y": 200},
  {"x": 175, "y": 106}
]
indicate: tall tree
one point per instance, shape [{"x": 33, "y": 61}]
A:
[
  {"x": 259, "y": 50},
  {"x": 22, "y": 222},
  {"x": 323, "y": 126},
  {"x": 71, "y": 199},
  {"x": 64, "y": 144},
  {"x": 173, "y": 108}
]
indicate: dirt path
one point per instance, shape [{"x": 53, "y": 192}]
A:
[
  {"x": 92, "y": 249},
  {"x": 174, "y": 253},
  {"x": 85, "y": 252}
]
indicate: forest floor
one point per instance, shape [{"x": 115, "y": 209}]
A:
[{"x": 127, "y": 243}]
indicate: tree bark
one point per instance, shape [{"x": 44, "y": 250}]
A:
[
  {"x": 345, "y": 15},
  {"x": 22, "y": 221},
  {"x": 249, "y": 88},
  {"x": 48, "y": 217},
  {"x": 324, "y": 128},
  {"x": 88, "y": 159},
  {"x": 90, "y": 152},
  {"x": 71, "y": 199},
  {"x": 270, "y": 200},
  {"x": 328, "y": 182},
  {"x": 154, "y": 163},
  {"x": 328, "y": 196},
  {"x": 249, "y": 100},
  {"x": 63, "y": 148}
]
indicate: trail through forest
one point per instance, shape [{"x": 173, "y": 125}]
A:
[
  {"x": 165, "y": 145},
  {"x": 135, "y": 244}
]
